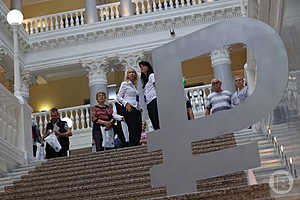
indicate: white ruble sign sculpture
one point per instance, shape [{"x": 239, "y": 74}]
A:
[{"x": 180, "y": 168}]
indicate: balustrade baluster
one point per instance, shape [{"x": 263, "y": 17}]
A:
[
  {"x": 143, "y": 6},
  {"x": 46, "y": 24},
  {"x": 51, "y": 23},
  {"x": 45, "y": 122},
  {"x": 82, "y": 118},
  {"x": 117, "y": 11},
  {"x": 101, "y": 14},
  {"x": 76, "y": 19},
  {"x": 77, "y": 119},
  {"x": 154, "y": 5},
  {"x": 194, "y": 2},
  {"x": 188, "y": 2},
  {"x": 41, "y": 125},
  {"x": 36, "y": 26},
  {"x": 81, "y": 18},
  {"x": 148, "y": 7},
  {"x": 165, "y": 4},
  {"x": 71, "y": 20},
  {"x": 61, "y": 21},
  {"x": 159, "y": 5},
  {"x": 31, "y": 27},
  {"x": 56, "y": 22},
  {"x": 72, "y": 118},
  {"x": 106, "y": 14},
  {"x": 87, "y": 116},
  {"x": 137, "y": 9},
  {"x": 176, "y": 4},
  {"x": 171, "y": 4},
  {"x": 66, "y": 20},
  {"x": 26, "y": 27}
]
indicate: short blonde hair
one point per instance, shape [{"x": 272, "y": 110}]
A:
[{"x": 136, "y": 75}]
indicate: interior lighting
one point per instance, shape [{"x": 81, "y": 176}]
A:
[{"x": 14, "y": 17}]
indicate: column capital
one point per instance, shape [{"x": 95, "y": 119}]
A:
[
  {"x": 132, "y": 60},
  {"x": 26, "y": 80},
  {"x": 220, "y": 56},
  {"x": 97, "y": 71}
]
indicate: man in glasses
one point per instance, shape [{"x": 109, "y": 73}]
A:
[
  {"x": 242, "y": 92},
  {"x": 219, "y": 99}
]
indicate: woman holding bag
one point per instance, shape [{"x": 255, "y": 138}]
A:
[
  {"x": 102, "y": 117},
  {"x": 128, "y": 96}
]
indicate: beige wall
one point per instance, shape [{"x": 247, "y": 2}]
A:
[
  {"x": 60, "y": 93},
  {"x": 199, "y": 69},
  {"x": 65, "y": 92},
  {"x": 51, "y": 7}
]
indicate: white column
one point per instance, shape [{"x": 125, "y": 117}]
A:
[
  {"x": 221, "y": 64},
  {"x": 250, "y": 71},
  {"x": 16, "y": 4},
  {"x": 97, "y": 71},
  {"x": 17, "y": 78},
  {"x": 126, "y": 8},
  {"x": 91, "y": 11}
]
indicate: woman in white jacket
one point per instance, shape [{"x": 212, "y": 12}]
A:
[{"x": 128, "y": 96}]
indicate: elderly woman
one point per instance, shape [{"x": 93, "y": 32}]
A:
[
  {"x": 128, "y": 96},
  {"x": 102, "y": 117}
]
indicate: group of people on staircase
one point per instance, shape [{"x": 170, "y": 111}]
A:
[
  {"x": 124, "y": 117},
  {"x": 120, "y": 124}
]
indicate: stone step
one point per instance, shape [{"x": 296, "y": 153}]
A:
[
  {"x": 60, "y": 175},
  {"x": 254, "y": 192},
  {"x": 233, "y": 180}
]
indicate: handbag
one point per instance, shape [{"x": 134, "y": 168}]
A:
[
  {"x": 108, "y": 137},
  {"x": 53, "y": 142}
]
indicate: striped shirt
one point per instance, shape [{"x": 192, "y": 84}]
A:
[{"x": 218, "y": 101}]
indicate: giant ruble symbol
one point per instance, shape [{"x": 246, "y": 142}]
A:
[{"x": 180, "y": 169}]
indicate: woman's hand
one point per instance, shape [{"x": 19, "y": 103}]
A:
[{"x": 128, "y": 107}]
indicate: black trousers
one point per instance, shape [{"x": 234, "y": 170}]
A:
[
  {"x": 119, "y": 131},
  {"x": 97, "y": 136},
  {"x": 153, "y": 113},
  {"x": 134, "y": 123}
]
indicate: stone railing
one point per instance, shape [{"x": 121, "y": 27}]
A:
[
  {"x": 15, "y": 131},
  {"x": 197, "y": 96},
  {"x": 80, "y": 115},
  {"x": 106, "y": 12}
]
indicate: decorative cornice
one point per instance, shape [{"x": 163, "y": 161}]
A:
[{"x": 220, "y": 56}]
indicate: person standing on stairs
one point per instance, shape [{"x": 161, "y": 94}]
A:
[
  {"x": 241, "y": 92},
  {"x": 102, "y": 118},
  {"x": 239, "y": 97},
  {"x": 128, "y": 96},
  {"x": 148, "y": 81},
  {"x": 62, "y": 131},
  {"x": 219, "y": 99}
]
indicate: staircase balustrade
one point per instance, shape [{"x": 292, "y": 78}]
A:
[
  {"x": 80, "y": 116},
  {"x": 15, "y": 130},
  {"x": 197, "y": 96},
  {"x": 107, "y": 12}
]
